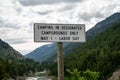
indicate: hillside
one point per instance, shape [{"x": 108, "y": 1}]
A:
[
  {"x": 48, "y": 52},
  {"x": 13, "y": 64},
  {"x": 96, "y": 30},
  {"x": 42, "y": 53},
  {"x": 100, "y": 54},
  {"x": 103, "y": 25},
  {"x": 7, "y": 51}
]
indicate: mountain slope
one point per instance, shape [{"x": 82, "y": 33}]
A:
[
  {"x": 70, "y": 47},
  {"x": 45, "y": 52},
  {"x": 13, "y": 64},
  {"x": 99, "y": 54},
  {"x": 103, "y": 25},
  {"x": 42, "y": 53},
  {"x": 7, "y": 51},
  {"x": 98, "y": 28}
]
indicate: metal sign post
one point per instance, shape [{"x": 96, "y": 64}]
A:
[{"x": 60, "y": 59}]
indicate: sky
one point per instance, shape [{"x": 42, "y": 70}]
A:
[{"x": 18, "y": 16}]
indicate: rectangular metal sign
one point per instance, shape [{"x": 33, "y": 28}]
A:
[{"x": 59, "y": 32}]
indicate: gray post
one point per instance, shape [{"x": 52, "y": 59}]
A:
[{"x": 60, "y": 59}]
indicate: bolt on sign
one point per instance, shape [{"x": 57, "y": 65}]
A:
[{"x": 59, "y": 32}]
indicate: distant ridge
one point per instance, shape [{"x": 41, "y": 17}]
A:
[{"x": 103, "y": 25}]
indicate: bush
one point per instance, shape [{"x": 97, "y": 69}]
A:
[{"x": 86, "y": 75}]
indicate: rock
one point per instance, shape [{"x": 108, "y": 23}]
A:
[{"x": 115, "y": 76}]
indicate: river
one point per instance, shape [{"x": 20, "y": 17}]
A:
[{"x": 37, "y": 78}]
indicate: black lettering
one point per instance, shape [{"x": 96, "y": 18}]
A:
[
  {"x": 57, "y": 27},
  {"x": 73, "y": 33},
  {"x": 44, "y": 38},
  {"x": 75, "y": 38},
  {"x": 64, "y": 38},
  {"x": 45, "y": 27}
]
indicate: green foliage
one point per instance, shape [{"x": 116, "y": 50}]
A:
[
  {"x": 86, "y": 75},
  {"x": 90, "y": 75},
  {"x": 13, "y": 68},
  {"x": 100, "y": 54},
  {"x": 2, "y": 71},
  {"x": 75, "y": 75},
  {"x": 13, "y": 64}
]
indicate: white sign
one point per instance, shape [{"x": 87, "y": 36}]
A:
[{"x": 59, "y": 32}]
